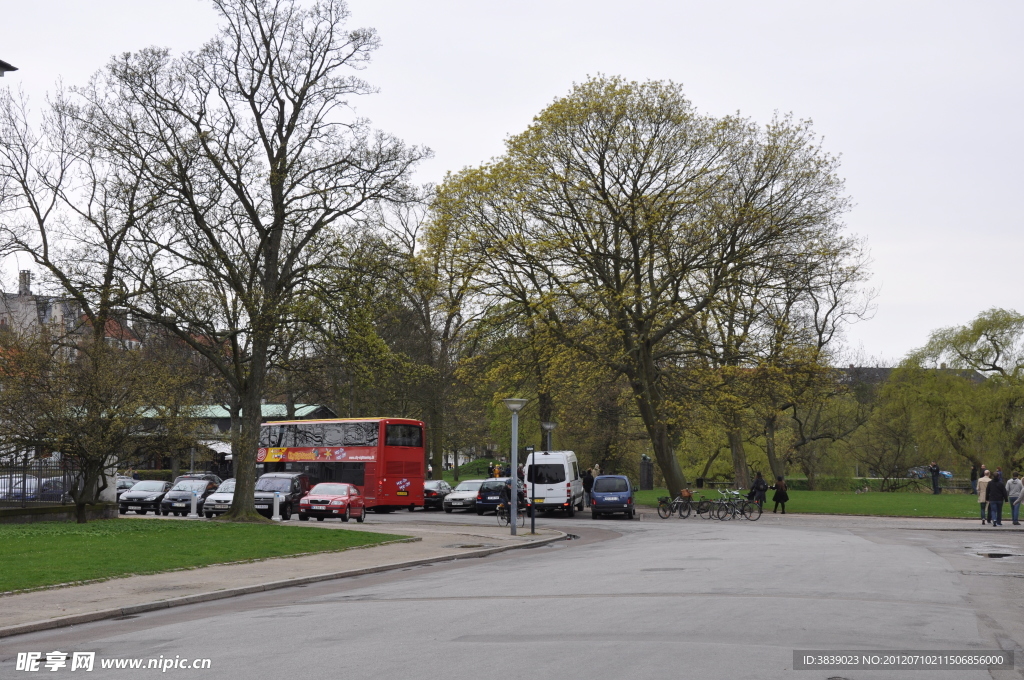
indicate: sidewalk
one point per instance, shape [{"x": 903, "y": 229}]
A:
[{"x": 55, "y": 608}]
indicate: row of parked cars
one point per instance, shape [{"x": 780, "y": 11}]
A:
[
  {"x": 610, "y": 495},
  {"x": 48, "y": 489},
  {"x": 297, "y": 494}
]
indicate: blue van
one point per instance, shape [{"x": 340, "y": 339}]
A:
[{"x": 612, "y": 494}]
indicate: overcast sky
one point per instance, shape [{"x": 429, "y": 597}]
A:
[{"x": 923, "y": 100}]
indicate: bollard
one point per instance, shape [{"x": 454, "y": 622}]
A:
[
  {"x": 277, "y": 507},
  {"x": 193, "y": 514}
]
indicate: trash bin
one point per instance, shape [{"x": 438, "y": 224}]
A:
[{"x": 700, "y": 482}]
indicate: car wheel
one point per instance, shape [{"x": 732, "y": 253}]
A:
[
  {"x": 303, "y": 518},
  {"x": 286, "y": 513},
  {"x": 448, "y": 510},
  {"x": 320, "y": 519},
  {"x": 594, "y": 515},
  {"x": 348, "y": 514},
  {"x": 479, "y": 512},
  {"x": 209, "y": 515},
  {"x": 141, "y": 512},
  {"x": 412, "y": 507},
  {"x": 570, "y": 511},
  {"x": 121, "y": 511},
  {"x": 362, "y": 515}
]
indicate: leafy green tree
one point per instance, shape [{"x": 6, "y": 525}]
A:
[{"x": 622, "y": 206}]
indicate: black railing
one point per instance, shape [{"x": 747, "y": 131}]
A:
[{"x": 32, "y": 482}]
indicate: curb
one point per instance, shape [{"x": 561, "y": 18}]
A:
[{"x": 120, "y": 612}]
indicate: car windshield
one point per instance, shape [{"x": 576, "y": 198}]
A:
[
  {"x": 226, "y": 487},
  {"x": 432, "y": 485},
  {"x": 149, "y": 485},
  {"x": 191, "y": 485},
  {"x": 546, "y": 473},
  {"x": 273, "y": 484},
  {"x": 493, "y": 487},
  {"x": 468, "y": 486},
  {"x": 330, "y": 489},
  {"x": 610, "y": 485}
]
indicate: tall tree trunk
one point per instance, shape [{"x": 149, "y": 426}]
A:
[
  {"x": 648, "y": 404},
  {"x": 707, "y": 466},
  {"x": 741, "y": 476},
  {"x": 437, "y": 425},
  {"x": 546, "y": 410},
  {"x": 244, "y": 448},
  {"x": 770, "y": 424}
]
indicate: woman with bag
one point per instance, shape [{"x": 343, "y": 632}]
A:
[
  {"x": 758, "y": 489},
  {"x": 781, "y": 496}
]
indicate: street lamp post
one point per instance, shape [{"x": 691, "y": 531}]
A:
[
  {"x": 514, "y": 405},
  {"x": 548, "y": 429}
]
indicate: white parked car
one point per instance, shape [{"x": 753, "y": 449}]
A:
[
  {"x": 463, "y": 497},
  {"x": 219, "y": 501}
]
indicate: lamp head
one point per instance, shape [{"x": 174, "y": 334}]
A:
[
  {"x": 515, "y": 405},
  {"x": 548, "y": 427}
]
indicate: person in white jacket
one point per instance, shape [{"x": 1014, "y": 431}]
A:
[{"x": 1015, "y": 491}]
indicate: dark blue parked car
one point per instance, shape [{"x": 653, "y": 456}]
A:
[
  {"x": 612, "y": 494},
  {"x": 489, "y": 493},
  {"x": 33, "y": 489}
]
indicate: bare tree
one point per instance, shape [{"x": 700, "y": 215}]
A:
[{"x": 255, "y": 169}]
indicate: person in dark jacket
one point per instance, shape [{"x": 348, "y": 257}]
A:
[
  {"x": 934, "y": 470},
  {"x": 758, "y": 489},
  {"x": 996, "y": 496},
  {"x": 588, "y": 484},
  {"x": 974, "y": 479},
  {"x": 781, "y": 496}
]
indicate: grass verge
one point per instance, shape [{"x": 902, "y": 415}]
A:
[
  {"x": 910, "y": 504},
  {"x": 49, "y": 553}
]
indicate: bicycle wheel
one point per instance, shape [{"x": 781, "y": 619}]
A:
[
  {"x": 751, "y": 511},
  {"x": 684, "y": 509},
  {"x": 724, "y": 511},
  {"x": 522, "y": 518},
  {"x": 502, "y": 514},
  {"x": 664, "y": 510},
  {"x": 704, "y": 509}
]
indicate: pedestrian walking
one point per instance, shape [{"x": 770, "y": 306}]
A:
[
  {"x": 597, "y": 469},
  {"x": 934, "y": 470},
  {"x": 490, "y": 469},
  {"x": 995, "y": 494},
  {"x": 974, "y": 479},
  {"x": 588, "y": 484},
  {"x": 998, "y": 475},
  {"x": 781, "y": 496},
  {"x": 1015, "y": 492},
  {"x": 520, "y": 474},
  {"x": 758, "y": 489},
  {"x": 982, "y": 488}
]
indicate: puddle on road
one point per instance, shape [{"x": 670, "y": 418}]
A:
[{"x": 998, "y": 555}]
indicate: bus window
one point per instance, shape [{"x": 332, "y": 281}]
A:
[
  {"x": 309, "y": 436},
  {"x": 350, "y": 434},
  {"x": 276, "y": 436},
  {"x": 404, "y": 435}
]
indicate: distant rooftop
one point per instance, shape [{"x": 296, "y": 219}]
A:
[{"x": 5, "y": 67}]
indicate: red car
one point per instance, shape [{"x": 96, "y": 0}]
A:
[{"x": 332, "y": 499}]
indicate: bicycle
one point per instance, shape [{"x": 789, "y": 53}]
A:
[
  {"x": 502, "y": 513},
  {"x": 732, "y": 504}
]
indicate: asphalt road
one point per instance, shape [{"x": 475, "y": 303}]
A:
[{"x": 641, "y": 599}]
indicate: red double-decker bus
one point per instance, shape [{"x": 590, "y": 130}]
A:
[{"x": 384, "y": 457}]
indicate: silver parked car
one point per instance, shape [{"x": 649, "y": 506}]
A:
[
  {"x": 464, "y": 496},
  {"x": 219, "y": 501}
]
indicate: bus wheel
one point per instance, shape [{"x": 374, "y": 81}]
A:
[{"x": 348, "y": 514}]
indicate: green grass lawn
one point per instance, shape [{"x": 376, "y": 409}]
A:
[
  {"x": 55, "y": 552},
  {"x": 898, "y": 504}
]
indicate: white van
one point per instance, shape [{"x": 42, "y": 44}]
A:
[{"x": 553, "y": 481}]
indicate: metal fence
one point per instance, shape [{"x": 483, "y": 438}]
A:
[{"x": 32, "y": 482}]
